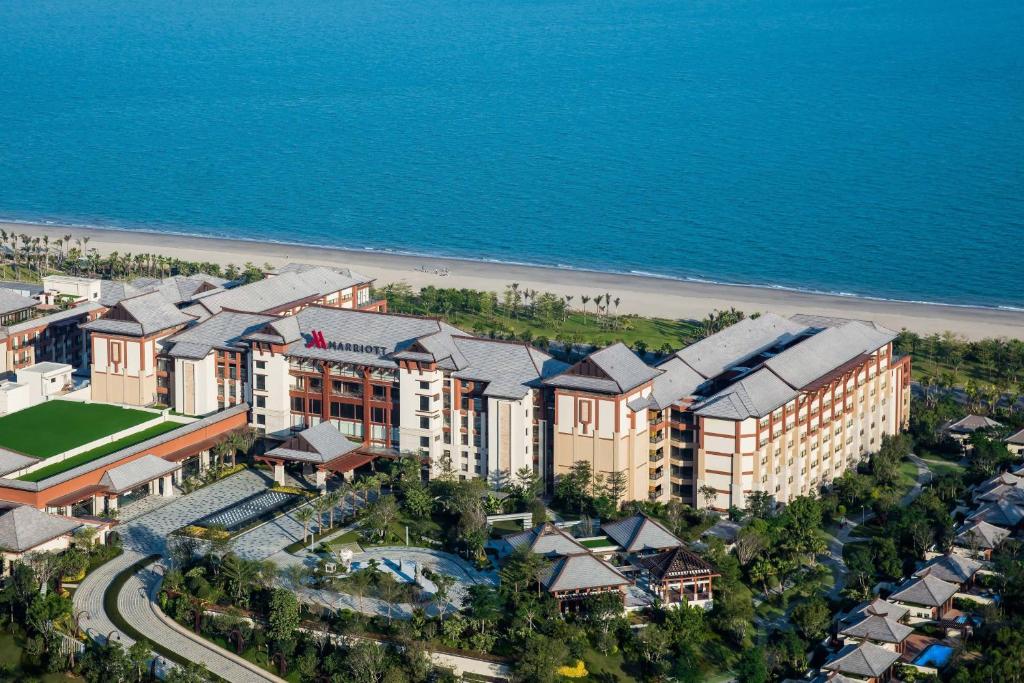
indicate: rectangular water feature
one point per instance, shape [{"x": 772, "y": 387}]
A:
[
  {"x": 935, "y": 655},
  {"x": 248, "y": 510}
]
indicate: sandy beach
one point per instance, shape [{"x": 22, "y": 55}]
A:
[{"x": 648, "y": 296}]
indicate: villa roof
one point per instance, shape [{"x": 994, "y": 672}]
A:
[
  {"x": 985, "y": 535},
  {"x": 224, "y": 330},
  {"x": 639, "y": 532},
  {"x": 11, "y": 302},
  {"x": 618, "y": 370},
  {"x": 878, "y": 628},
  {"x": 578, "y": 572},
  {"x": 675, "y": 563},
  {"x": 319, "y": 445},
  {"x": 545, "y": 539},
  {"x": 929, "y": 591},
  {"x": 953, "y": 568},
  {"x": 1001, "y": 479},
  {"x": 1003, "y": 513},
  {"x": 721, "y": 351},
  {"x": 277, "y": 292},
  {"x": 139, "y": 316},
  {"x": 1016, "y": 438},
  {"x": 1011, "y": 493},
  {"x": 25, "y": 528},
  {"x": 864, "y": 659},
  {"x": 131, "y": 474},
  {"x": 877, "y": 606},
  {"x": 973, "y": 423}
]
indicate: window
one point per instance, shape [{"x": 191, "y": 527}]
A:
[
  {"x": 424, "y": 403},
  {"x": 316, "y": 384},
  {"x": 424, "y": 422},
  {"x": 346, "y": 411},
  {"x": 424, "y": 442},
  {"x": 261, "y": 420},
  {"x": 379, "y": 392},
  {"x": 425, "y": 386},
  {"x": 261, "y": 401},
  {"x": 315, "y": 406},
  {"x": 261, "y": 365},
  {"x": 298, "y": 404},
  {"x": 261, "y": 382}
]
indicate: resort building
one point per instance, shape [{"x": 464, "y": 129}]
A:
[
  {"x": 770, "y": 404},
  {"x": 1015, "y": 443},
  {"x": 48, "y": 335},
  {"x": 15, "y": 307},
  {"x": 24, "y": 530},
  {"x": 863, "y": 662},
  {"x": 878, "y": 628},
  {"x": 980, "y": 539},
  {"x": 321, "y": 450},
  {"x": 926, "y": 599},
  {"x": 951, "y": 568},
  {"x": 962, "y": 429}
]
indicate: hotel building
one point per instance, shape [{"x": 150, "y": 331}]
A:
[{"x": 770, "y": 404}]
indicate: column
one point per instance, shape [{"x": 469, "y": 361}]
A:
[
  {"x": 154, "y": 487},
  {"x": 321, "y": 479},
  {"x": 279, "y": 473},
  {"x": 98, "y": 505},
  {"x": 66, "y": 511},
  {"x": 204, "y": 461},
  {"x": 112, "y": 503},
  {"x": 168, "y": 486},
  {"x": 177, "y": 476}
]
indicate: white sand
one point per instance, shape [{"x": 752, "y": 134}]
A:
[{"x": 642, "y": 295}]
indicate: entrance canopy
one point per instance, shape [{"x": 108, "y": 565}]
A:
[
  {"x": 137, "y": 472},
  {"x": 323, "y": 446}
]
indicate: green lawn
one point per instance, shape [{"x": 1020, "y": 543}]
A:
[
  {"x": 96, "y": 453},
  {"x": 57, "y": 426},
  {"x": 11, "y": 664}
]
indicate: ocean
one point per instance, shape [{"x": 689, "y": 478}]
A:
[{"x": 863, "y": 147}]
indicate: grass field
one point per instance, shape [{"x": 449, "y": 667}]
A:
[
  {"x": 57, "y": 426},
  {"x": 106, "y": 449}
]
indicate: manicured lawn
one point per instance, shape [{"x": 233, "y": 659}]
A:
[
  {"x": 107, "y": 449},
  {"x": 596, "y": 543},
  {"x": 57, "y": 426}
]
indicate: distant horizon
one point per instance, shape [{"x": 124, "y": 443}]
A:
[{"x": 850, "y": 149}]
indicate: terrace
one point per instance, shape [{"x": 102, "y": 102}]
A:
[{"x": 54, "y": 437}]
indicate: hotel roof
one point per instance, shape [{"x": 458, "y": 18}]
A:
[
  {"x": 139, "y": 316},
  {"x": 279, "y": 292},
  {"x": 929, "y": 591},
  {"x": 619, "y": 370},
  {"x": 1001, "y": 513},
  {"x": 66, "y": 315},
  {"x": 179, "y": 289},
  {"x": 723, "y": 350},
  {"x": 877, "y": 606},
  {"x": 972, "y": 423},
  {"x": 865, "y": 659},
  {"x": 508, "y": 368},
  {"x": 674, "y": 563},
  {"x": 676, "y": 381},
  {"x": 304, "y": 267},
  {"x": 953, "y": 568},
  {"x": 582, "y": 571},
  {"x": 222, "y": 331},
  {"x": 1016, "y": 439},
  {"x": 30, "y": 289},
  {"x": 639, "y": 532},
  {"x": 11, "y": 302},
  {"x": 25, "y": 528},
  {"x": 753, "y": 396},
  {"x": 986, "y": 536}
]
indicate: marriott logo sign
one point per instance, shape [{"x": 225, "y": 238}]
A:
[{"x": 316, "y": 340}]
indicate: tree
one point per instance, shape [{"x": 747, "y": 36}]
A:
[
  {"x": 812, "y": 618},
  {"x": 189, "y": 673},
  {"x": 367, "y": 662},
  {"x": 380, "y": 514},
  {"x": 540, "y": 660},
  {"x": 304, "y": 515},
  {"x": 574, "y": 488},
  {"x": 283, "y": 615},
  {"x": 616, "y": 486},
  {"x": 708, "y": 494},
  {"x": 418, "y": 500},
  {"x": 752, "y": 666}
]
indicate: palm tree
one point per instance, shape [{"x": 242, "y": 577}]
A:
[
  {"x": 304, "y": 514},
  {"x": 584, "y": 299},
  {"x": 320, "y": 506},
  {"x": 333, "y": 499}
]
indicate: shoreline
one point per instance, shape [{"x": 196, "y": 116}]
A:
[{"x": 647, "y": 295}]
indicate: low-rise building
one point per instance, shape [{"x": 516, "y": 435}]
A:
[
  {"x": 880, "y": 629},
  {"x": 980, "y": 539},
  {"x": 1015, "y": 443},
  {"x": 864, "y": 662},
  {"x": 25, "y": 530},
  {"x": 926, "y": 599}
]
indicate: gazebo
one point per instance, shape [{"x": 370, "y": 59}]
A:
[{"x": 322, "y": 448}]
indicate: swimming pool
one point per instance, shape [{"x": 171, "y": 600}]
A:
[{"x": 935, "y": 655}]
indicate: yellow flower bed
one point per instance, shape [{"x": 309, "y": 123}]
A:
[
  {"x": 209, "y": 534},
  {"x": 577, "y": 671}
]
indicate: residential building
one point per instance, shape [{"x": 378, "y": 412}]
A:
[
  {"x": 1015, "y": 443},
  {"x": 49, "y": 336},
  {"x": 15, "y": 307},
  {"x": 928, "y": 598},
  {"x": 864, "y": 661},
  {"x": 980, "y": 539},
  {"x": 24, "y": 530}
]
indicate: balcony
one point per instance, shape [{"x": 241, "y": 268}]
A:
[
  {"x": 657, "y": 476},
  {"x": 656, "y": 456}
]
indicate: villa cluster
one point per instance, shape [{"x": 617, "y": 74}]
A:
[{"x": 774, "y": 404}]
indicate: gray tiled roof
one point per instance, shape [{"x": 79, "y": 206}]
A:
[
  {"x": 11, "y": 302},
  {"x": 1001, "y": 513},
  {"x": 877, "y": 606},
  {"x": 509, "y": 369},
  {"x": 25, "y": 527},
  {"x": 112, "y": 292},
  {"x": 677, "y": 381},
  {"x": 878, "y": 628},
  {"x": 638, "y": 533},
  {"x": 865, "y": 659},
  {"x": 303, "y": 267},
  {"x": 972, "y": 423},
  {"x": 272, "y": 293},
  {"x": 12, "y": 462},
  {"x": 1017, "y": 438},
  {"x": 1011, "y": 493},
  {"x": 545, "y": 539},
  {"x": 815, "y": 357},
  {"x": 326, "y": 442},
  {"x": 952, "y": 568},
  {"x": 30, "y": 289},
  {"x": 222, "y": 331},
  {"x": 131, "y": 474},
  {"x": 927, "y": 590},
  {"x": 179, "y": 289},
  {"x": 717, "y": 353},
  {"x": 755, "y": 395},
  {"x": 623, "y": 370},
  {"x": 146, "y": 313},
  {"x": 52, "y": 318},
  {"x": 986, "y": 536},
  {"x": 578, "y": 572}
]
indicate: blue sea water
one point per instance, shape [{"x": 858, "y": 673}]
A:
[{"x": 869, "y": 147}]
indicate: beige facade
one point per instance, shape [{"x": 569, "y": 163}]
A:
[{"x": 124, "y": 369}]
